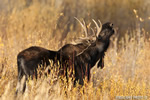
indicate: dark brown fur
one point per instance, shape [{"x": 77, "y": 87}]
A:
[
  {"x": 88, "y": 58},
  {"x": 29, "y": 59}
]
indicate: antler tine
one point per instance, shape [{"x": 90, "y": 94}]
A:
[
  {"x": 83, "y": 26},
  {"x": 100, "y": 24},
  {"x": 93, "y": 31},
  {"x": 99, "y": 28}
]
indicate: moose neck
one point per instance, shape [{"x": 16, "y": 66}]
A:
[
  {"x": 97, "y": 51},
  {"x": 102, "y": 44},
  {"x": 93, "y": 53}
]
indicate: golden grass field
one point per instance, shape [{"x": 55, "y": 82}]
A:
[{"x": 126, "y": 75}]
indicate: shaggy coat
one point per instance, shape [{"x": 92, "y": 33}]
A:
[
  {"x": 81, "y": 55},
  {"x": 29, "y": 59},
  {"x": 84, "y": 61}
]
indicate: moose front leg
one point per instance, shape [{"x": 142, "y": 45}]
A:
[{"x": 101, "y": 62}]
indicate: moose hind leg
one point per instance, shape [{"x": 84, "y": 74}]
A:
[{"x": 21, "y": 85}]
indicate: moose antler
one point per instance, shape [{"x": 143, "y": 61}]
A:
[
  {"x": 88, "y": 38},
  {"x": 93, "y": 31},
  {"x": 99, "y": 28},
  {"x": 83, "y": 26}
]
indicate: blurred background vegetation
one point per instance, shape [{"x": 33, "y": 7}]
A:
[
  {"x": 51, "y": 24},
  {"x": 56, "y": 17}
]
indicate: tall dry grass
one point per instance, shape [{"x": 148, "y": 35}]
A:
[{"x": 44, "y": 23}]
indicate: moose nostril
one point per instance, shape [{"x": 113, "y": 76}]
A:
[{"x": 113, "y": 31}]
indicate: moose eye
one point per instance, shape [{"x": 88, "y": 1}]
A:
[{"x": 102, "y": 34}]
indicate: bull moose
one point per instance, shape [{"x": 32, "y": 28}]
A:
[
  {"x": 84, "y": 61},
  {"x": 29, "y": 59}
]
